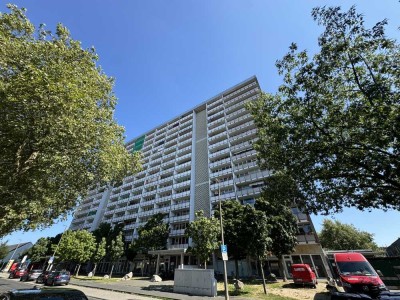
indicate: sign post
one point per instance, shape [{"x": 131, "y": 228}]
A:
[{"x": 224, "y": 252}]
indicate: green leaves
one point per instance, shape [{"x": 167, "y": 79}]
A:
[
  {"x": 116, "y": 249},
  {"x": 338, "y": 236},
  {"x": 77, "y": 246},
  {"x": 246, "y": 230},
  {"x": 205, "y": 234},
  {"x": 100, "y": 251},
  {"x": 57, "y": 133},
  {"x": 333, "y": 126},
  {"x": 153, "y": 235},
  {"x": 39, "y": 250},
  {"x": 3, "y": 249}
]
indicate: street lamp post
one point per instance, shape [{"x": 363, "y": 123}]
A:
[
  {"x": 12, "y": 255},
  {"x": 223, "y": 242},
  {"x": 50, "y": 266}
]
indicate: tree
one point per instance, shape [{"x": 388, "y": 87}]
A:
[
  {"x": 151, "y": 236},
  {"x": 154, "y": 234},
  {"x": 205, "y": 234},
  {"x": 338, "y": 236},
  {"x": 39, "y": 250},
  {"x": 99, "y": 253},
  {"x": 246, "y": 231},
  {"x": 110, "y": 233},
  {"x": 3, "y": 250},
  {"x": 58, "y": 137},
  {"x": 116, "y": 250},
  {"x": 333, "y": 125},
  {"x": 234, "y": 235},
  {"x": 77, "y": 246},
  {"x": 258, "y": 236},
  {"x": 276, "y": 199}
]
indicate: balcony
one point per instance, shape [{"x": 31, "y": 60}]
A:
[
  {"x": 177, "y": 232},
  {"x": 211, "y": 117},
  {"x": 214, "y": 106},
  {"x": 245, "y": 166},
  {"x": 181, "y": 195},
  {"x": 179, "y": 218},
  {"x": 183, "y": 167},
  {"x": 223, "y": 197},
  {"x": 178, "y": 246},
  {"x": 218, "y": 146},
  {"x": 249, "y": 191},
  {"x": 215, "y": 155},
  {"x": 185, "y": 137},
  {"x": 183, "y": 184},
  {"x": 217, "y": 130},
  {"x": 184, "y": 157},
  {"x": 249, "y": 94},
  {"x": 217, "y": 138},
  {"x": 185, "y": 150},
  {"x": 220, "y": 163},
  {"x": 180, "y": 206},
  {"x": 258, "y": 175},
  {"x": 306, "y": 239}
]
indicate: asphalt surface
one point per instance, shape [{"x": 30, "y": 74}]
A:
[{"x": 92, "y": 293}]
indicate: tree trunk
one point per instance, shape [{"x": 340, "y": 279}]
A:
[
  {"x": 77, "y": 270},
  {"x": 263, "y": 277},
  {"x": 112, "y": 268},
  {"x": 94, "y": 269},
  {"x": 281, "y": 269},
  {"x": 205, "y": 264},
  {"x": 149, "y": 268},
  {"x": 269, "y": 265}
]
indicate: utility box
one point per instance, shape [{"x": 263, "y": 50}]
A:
[{"x": 195, "y": 282}]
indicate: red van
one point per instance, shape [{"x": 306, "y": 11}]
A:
[
  {"x": 355, "y": 274},
  {"x": 304, "y": 275}
]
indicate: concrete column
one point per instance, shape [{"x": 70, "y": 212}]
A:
[
  {"x": 182, "y": 260},
  {"x": 158, "y": 264}
]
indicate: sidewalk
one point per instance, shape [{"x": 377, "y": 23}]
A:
[
  {"x": 140, "y": 287},
  {"x": 162, "y": 289}
]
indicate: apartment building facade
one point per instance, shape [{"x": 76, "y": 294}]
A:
[{"x": 191, "y": 162}]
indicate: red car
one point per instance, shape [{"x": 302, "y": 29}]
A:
[
  {"x": 356, "y": 275},
  {"x": 304, "y": 275},
  {"x": 17, "y": 273}
]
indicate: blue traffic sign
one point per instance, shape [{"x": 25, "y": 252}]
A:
[{"x": 224, "y": 249}]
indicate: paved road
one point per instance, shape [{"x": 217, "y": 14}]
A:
[{"x": 92, "y": 293}]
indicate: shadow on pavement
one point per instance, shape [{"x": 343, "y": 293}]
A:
[{"x": 159, "y": 288}]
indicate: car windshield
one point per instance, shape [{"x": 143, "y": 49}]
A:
[{"x": 360, "y": 268}]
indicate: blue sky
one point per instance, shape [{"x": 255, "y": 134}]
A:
[{"x": 169, "y": 56}]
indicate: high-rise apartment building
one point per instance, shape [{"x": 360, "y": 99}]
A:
[{"x": 191, "y": 162}]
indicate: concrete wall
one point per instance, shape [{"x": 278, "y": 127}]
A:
[{"x": 195, "y": 282}]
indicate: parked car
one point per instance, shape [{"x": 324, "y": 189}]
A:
[
  {"x": 58, "y": 277},
  {"x": 31, "y": 275},
  {"x": 43, "y": 277},
  {"x": 46, "y": 293},
  {"x": 17, "y": 273},
  {"x": 304, "y": 275},
  {"x": 354, "y": 274}
]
